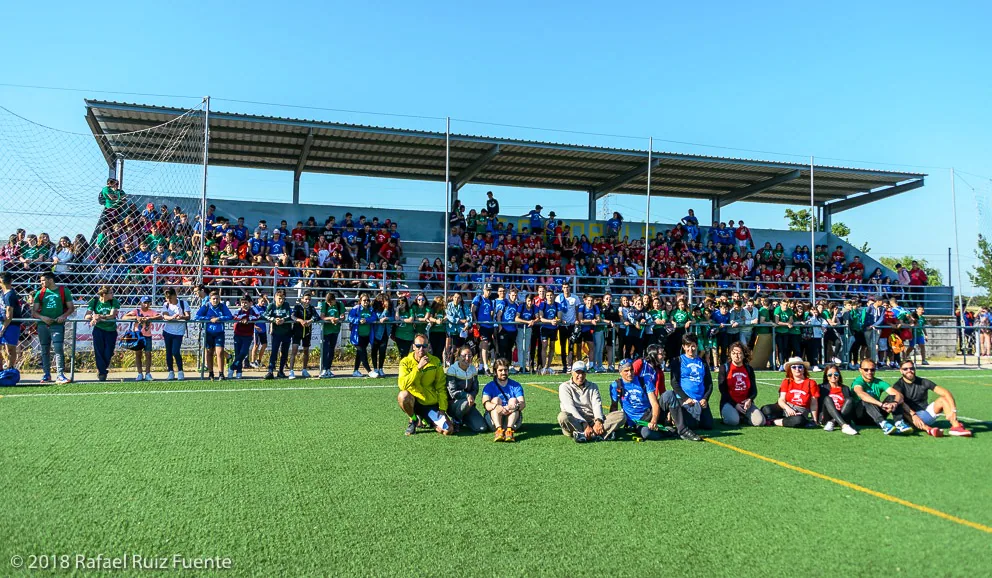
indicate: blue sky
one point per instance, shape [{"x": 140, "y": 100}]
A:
[{"x": 880, "y": 85}]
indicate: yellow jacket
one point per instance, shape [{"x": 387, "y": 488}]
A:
[{"x": 427, "y": 384}]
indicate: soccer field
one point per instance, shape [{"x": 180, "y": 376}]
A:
[{"x": 315, "y": 477}]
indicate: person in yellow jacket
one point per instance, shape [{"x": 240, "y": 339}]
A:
[{"x": 423, "y": 393}]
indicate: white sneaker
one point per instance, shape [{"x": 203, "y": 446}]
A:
[
  {"x": 829, "y": 426},
  {"x": 180, "y": 376},
  {"x": 230, "y": 373},
  {"x": 849, "y": 430},
  {"x": 305, "y": 374},
  {"x": 356, "y": 373},
  {"x": 373, "y": 374},
  {"x": 292, "y": 374},
  {"x": 148, "y": 377},
  {"x": 139, "y": 377},
  {"x": 238, "y": 375},
  {"x": 171, "y": 376}
]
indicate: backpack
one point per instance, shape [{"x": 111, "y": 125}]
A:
[{"x": 9, "y": 377}]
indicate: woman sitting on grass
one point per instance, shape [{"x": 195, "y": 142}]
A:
[
  {"x": 837, "y": 400},
  {"x": 797, "y": 398}
]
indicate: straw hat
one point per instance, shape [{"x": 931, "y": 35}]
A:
[{"x": 796, "y": 361}]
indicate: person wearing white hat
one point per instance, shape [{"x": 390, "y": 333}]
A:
[
  {"x": 797, "y": 398},
  {"x": 581, "y": 416}
]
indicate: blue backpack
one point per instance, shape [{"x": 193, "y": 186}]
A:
[{"x": 10, "y": 377}]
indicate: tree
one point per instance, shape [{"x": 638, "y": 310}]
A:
[
  {"x": 799, "y": 221},
  {"x": 934, "y": 277},
  {"x": 981, "y": 278}
]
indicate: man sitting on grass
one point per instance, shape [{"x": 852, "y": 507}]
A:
[
  {"x": 879, "y": 399},
  {"x": 644, "y": 410},
  {"x": 581, "y": 417},
  {"x": 915, "y": 390},
  {"x": 422, "y": 389},
  {"x": 503, "y": 400}
]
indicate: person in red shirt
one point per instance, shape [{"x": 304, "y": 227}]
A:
[
  {"x": 744, "y": 239},
  {"x": 298, "y": 237},
  {"x": 738, "y": 388},
  {"x": 797, "y": 399}
]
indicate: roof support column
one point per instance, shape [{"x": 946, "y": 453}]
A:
[
  {"x": 592, "y": 205},
  {"x": 300, "y": 164},
  {"x": 826, "y": 218},
  {"x": 715, "y": 202},
  {"x": 117, "y": 172},
  {"x": 296, "y": 189}
]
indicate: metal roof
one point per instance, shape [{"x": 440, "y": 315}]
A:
[{"x": 250, "y": 141}]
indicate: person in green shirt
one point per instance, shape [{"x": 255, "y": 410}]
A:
[
  {"x": 101, "y": 313},
  {"x": 331, "y": 313},
  {"x": 419, "y": 311},
  {"x": 786, "y": 332},
  {"x": 154, "y": 240},
  {"x": 404, "y": 334},
  {"x": 112, "y": 197},
  {"x": 919, "y": 340},
  {"x": 879, "y": 399},
  {"x": 52, "y": 306},
  {"x": 280, "y": 315}
]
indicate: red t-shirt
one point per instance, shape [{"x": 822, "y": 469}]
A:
[
  {"x": 738, "y": 383},
  {"x": 837, "y": 396},
  {"x": 799, "y": 394}
]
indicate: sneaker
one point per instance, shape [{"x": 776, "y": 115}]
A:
[
  {"x": 356, "y": 373},
  {"x": 887, "y": 428},
  {"x": 925, "y": 362},
  {"x": 846, "y": 428},
  {"x": 330, "y": 373},
  {"x": 579, "y": 437},
  {"x": 499, "y": 435},
  {"x": 935, "y": 432},
  {"x": 170, "y": 376},
  {"x": 45, "y": 379},
  {"x": 514, "y": 370},
  {"x": 690, "y": 436},
  {"x": 101, "y": 377},
  {"x": 781, "y": 368},
  {"x": 612, "y": 436},
  {"x": 61, "y": 379},
  {"x": 139, "y": 377},
  {"x": 238, "y": 375},
  {"x": 373, "y": 374},
  {"x": 508, "y": 435},
  {"x": 960, "y": 431},
  {"x": 230, "y": 373},
  {"x": 411, "y": 428},
  {"x": 220, "y": 376},
  {"x": 180, "y": 376},
  {"x": 148, "y": 377},
  {"x": 292, "y": 374},
  {"x": 904, "y": 427},
  {"x": 282, "y": 375},
  {"x": 210, "y": 377},
  {"x": 829, "y": 426},
  {"x": 305, "y": 374},
  {"x": 268, "y": 375},
  {"x": 816, "y": 369}
]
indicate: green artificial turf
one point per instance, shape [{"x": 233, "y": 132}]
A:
[{"x": 315, "y": 477}]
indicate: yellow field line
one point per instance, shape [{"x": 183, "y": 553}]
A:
[{"x": 839, "y": 482}]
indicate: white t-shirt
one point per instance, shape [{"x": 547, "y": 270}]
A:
[
  {"x": 175, "y": 327},
  {"x": 569, "y": 307}
]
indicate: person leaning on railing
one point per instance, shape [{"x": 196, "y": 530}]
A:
[
  {"x": 101, "y": 312},
  {"x": 279, "y": 315}
]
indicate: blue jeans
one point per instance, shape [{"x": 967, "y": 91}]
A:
[
  {"x": 51, "y": 336},
  {"x": 103, "y": 348},
  {"x": 173, "y": 350},
  {"x": 598, "y": 342},
  {"x": 280, "y": 344},
  {"x": 242, "y": 347}
]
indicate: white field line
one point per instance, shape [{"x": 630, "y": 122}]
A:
[{"x": 166, "y": 391}]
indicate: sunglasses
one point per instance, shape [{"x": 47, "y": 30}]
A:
[
  {"x": 833, "y": 374},
  {"x": 798, "y": 368},
  {"x": 868, "y": 370},
  {"x": 420, "y": 345}
]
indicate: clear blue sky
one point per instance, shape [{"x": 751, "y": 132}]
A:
[{"x": 879, "y": 85}]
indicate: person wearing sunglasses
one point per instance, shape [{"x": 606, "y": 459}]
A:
[
  {"x": 463, "y": 388},
  {"x": 879, "y": 399},
  {"x": 423, "y": 393},
  {"x": 837, "y": 401},
  {"x": 797, "y": 404},
  {"x": 923, "y": 415}
]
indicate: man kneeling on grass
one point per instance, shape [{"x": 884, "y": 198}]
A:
[
  {"x": 924, "y": 415},
  {"x": 503, "y": 400},
  {"x": 422, "y": 389},
  {"x": 581, "y": 416},
  {"x": 644, "y": 410}
]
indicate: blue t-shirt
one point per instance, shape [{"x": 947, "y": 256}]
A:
[
  {"x": 277, "y": 247},
  {"x": 588, "y": 315},
  {"x": 259, "y": 312},
  {"x": 142, "y": 257},
  {"x": 718, "y": 317},
  {"x": 536, "y": 220},
  {"x": 255, "y": 246},
  {"x": 613, "y": 225},
  {"x": 483, "y": 310},
  {"x": 549, "y": 311},
  {"x": 527, "y": 313},
  {"x": 506, "y": 311},
  {"x": 634, "y": 402},
  {"x": 10, "y": 299},
  {"x": 691, "y": 377},
  {"x": 504, "y": 393},
  {"x": 240, "y": 232}
]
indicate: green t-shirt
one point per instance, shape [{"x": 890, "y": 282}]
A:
[
  {"x": 364, "y": 329},
  {"x": 766, "y": 255},
  {"x": 101, "y": 307},
  {"x": 778, "y": 254},
  {"x": 335, "y": 310},
  {"x": 405, "y": 331},
  {"x": 52, "y": 304},
  {"x": 876, "y": 388},
  {"x": 31, "y": 253},
  {"x": 918, "y": 330},
  {"x": 419, "y": 313},
  {"x": 763, "y": 317},
  {"x": 785, "y": 316},
  {"x": 699, "y": 324},
  {"x": 655, "y": 315},
  {"x": 680, "y": 316},
  {"x": 858, "y": 318},
  {"x": 153, "y": 241},
  {"x": 111, "y": 198},
  {"x": 437, "y": 327}
]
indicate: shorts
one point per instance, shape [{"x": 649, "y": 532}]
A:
[
  {"x": 883, "y": 344},
  {"x": 11, "y": 335},
  {"x": 916, "y": 341},
  {"x": 929, "y": 415},
  {"x": 301, "y": 335},
  {"x": 549, "y": 333},
  {"x": 212, "y": 340},
  {"x": 261, "y": 338},
  {"x": 144, "y": 343},
  {"x": 485, "y": 333},
  {"x": 587, "y": 337},
  {"x": 432, "y": 414}
]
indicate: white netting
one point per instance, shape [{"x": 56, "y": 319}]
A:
[{"x": 983, "y": 198}]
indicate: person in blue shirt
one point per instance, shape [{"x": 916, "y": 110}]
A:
[
  {"x": 645, "y": 411},
  {"x": 215, "y": 313},
  {"x": 536, "y": 220},
  {"x": 613, "y": 226},
  {"x": 721, "y": 317},
  {"x": 691, "y": 226},
  {"x": 143, "y": 256},
  {"x": 277, "y": 246},
  {"x": 588, "y": 316},
  {"x": 241, "y": 231},
  {"x": 482, "y": 312},
  {"x": 527, "y": 327},
  {"x": 505, "y": 312},
  {"x": 692, "y": 384},
  {"x": 261, "y": 338},
  {"x": 503, "y": 400}
]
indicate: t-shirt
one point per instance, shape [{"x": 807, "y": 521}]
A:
[
  {"x": 277, "y": 247},
  {"x": 763, "y": 317},
  {"x": 692, "y": 373},
  {"x": 100, "y": 307},
  {"x": 536, "y": 222},
  {"x": 876, "y": 387},
  {"x": 916, "y": 392},
  {"x": 785, "y": 316},
  {"x": 335, "y": 310},
  {"x": 512, "y": 390},
  {"x": 799, "y": 394},
  {"x": 568, "y": 307},
  {"x": 635, "y": 402},
  {"x": 506, "y": 311},
  {"x": 484, "y": 310},
  {"x": 738, "y": 383},
  {"x": 175, "y": 327},
  {"x": 52, "y": 304},
  {"x": 680, "y": 316},
  {"x": 11, "y": 299}
]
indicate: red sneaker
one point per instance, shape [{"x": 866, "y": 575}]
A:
[
  {"x": 936, "y": 432},
  {"x": 960, "y": 431}
]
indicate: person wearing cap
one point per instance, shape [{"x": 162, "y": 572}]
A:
[
  {"x": 463, "y": 389},
  {"x": 923, "y": 415},
  {"x": 644, "y": 409},
  {"x": 503, "y": 400},
  {"x": 738, "y": 388},
  {"x": 581, "y": 416},
  {"x": 878, "y": 399},
  {"x": 798, "y": 398},
  {"x": 422, "y": 389},
  {"x": 536, "y": 220},
  {"x": 693, "y": 384},
  {"x": 143, "y": 317},
  {"x": 215, "y": 314}
]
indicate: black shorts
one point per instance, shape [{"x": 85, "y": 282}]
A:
[
  {"x": 485, "y": 333},
  {"x": 302, "y": 335},
  {"x": 587, "y": 336},
  {"x": 261, "y": 338},
  {"x": 549, "y": 333}
]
